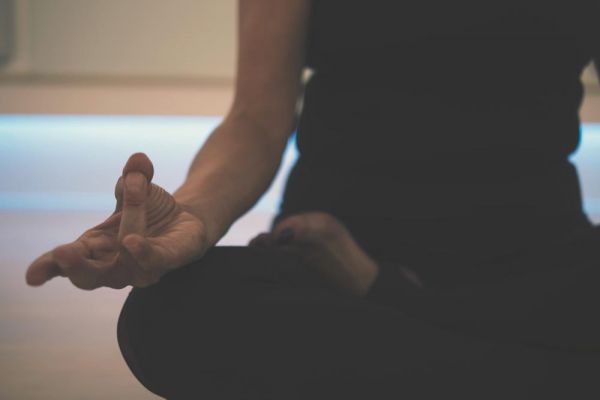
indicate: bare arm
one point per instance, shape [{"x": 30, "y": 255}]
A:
[
  {"x": 596, "y": 50},
  {"x": 242, "y": 155}
]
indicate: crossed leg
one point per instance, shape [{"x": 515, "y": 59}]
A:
[{"x": 255, "y": 323}]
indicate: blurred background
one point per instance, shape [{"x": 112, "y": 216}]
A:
[{"x": 84, "y": 84}]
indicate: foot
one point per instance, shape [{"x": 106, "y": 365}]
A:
[{"x": 327, "y": 245}]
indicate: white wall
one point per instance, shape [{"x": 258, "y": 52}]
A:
[
  {"x": 130, "y": 38},
  {"x": 193, "y": 41},
  {"x": 140, "y": 38}
]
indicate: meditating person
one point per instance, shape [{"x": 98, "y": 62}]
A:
[{"x": 430, "y": 243}]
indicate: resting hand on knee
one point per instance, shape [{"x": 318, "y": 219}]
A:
[{"x": 147, "y": 235}]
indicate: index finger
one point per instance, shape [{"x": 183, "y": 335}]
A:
[{"x": 141, "y": 163}]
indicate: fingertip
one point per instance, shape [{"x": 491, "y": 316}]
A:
[
  {"x": 132, "y": 240},
  {"x": 35, "y": 277},
  {"x": 135, "y": 182},
  {"x": 139, "y": 162},
  {"x": 42, "y": 269},
  {"x": 141, "y": 250},
  {"x": 36, "y": 282},
  {"x": 32, "y": 280},
  {"x": 135, "y": 244},
  {"x": 290, "y": 228},
  {"x": 285, "y": 236},
  {"x": 261, "y": 240}
]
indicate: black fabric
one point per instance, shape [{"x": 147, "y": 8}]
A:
[
  {"x": 426, "y": 110},
  {"x": 535, "y": 297},
  {"x": 439, "y": 132},
  {"x": 251, "y": 323}
]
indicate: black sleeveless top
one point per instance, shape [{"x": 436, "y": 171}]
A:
[{"x": 438, "y": 124}]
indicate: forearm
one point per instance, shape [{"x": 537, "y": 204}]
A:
[{"x": 230, "y": 172}]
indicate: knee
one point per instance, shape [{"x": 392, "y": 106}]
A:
[
  {"x": 154, "y": 330},
  {"x": 163, "y": 341},
  {"x": 151, "y": 329},
  {"x": 185, "y": 352},
  {"x": 129, "y": 331},
  {"x": 187, "y": 323}
]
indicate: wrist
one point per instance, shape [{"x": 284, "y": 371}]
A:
[
  {"x": 367, "y": 278},
  {"x": 211, "y": 235}
]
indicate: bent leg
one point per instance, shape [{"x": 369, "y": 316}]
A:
[
  {"x": 162, "y": 328},
  {"x": 255, "y": 323},
  {"x": 546, "y": 297}
]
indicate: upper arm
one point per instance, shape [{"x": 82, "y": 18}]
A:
[
  {"x": 271, "y": 51},
  {"x": 595, "y": 46}
]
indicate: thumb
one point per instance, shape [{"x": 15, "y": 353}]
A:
[
  {"x": 139, "y": 162},
  {"x": 136, "y": 184}
]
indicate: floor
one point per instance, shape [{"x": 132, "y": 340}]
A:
[{"x": 56, "y": 341}]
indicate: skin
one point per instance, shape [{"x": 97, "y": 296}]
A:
[
  {"x": 152, "y": 231},
  {"x": 326, "y": 245},
  {"x": 148, "y": 234}
]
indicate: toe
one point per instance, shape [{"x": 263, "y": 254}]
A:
[
  {"x": 310, "y": 227},
  {"x": 261, "y": 240},
  {"x": 325, "y": 225}
]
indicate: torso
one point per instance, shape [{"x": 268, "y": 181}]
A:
[{"x": 443, "y": 111}]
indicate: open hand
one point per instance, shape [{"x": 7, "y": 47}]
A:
[{"x": 147, "y": 235}]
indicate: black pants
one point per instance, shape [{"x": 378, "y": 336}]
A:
[{"x": 251, "y": 323}]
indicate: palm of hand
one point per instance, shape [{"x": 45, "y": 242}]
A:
[{"x": 100, "y": 260}]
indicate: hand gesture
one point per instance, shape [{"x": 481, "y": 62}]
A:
[{"x": 148, "y": 235}]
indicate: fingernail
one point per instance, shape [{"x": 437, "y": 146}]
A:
[
  {"x": 131, "y": 243},
  {"x": 285, "y": 236},
  {"x": 134, "y": 181}
]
